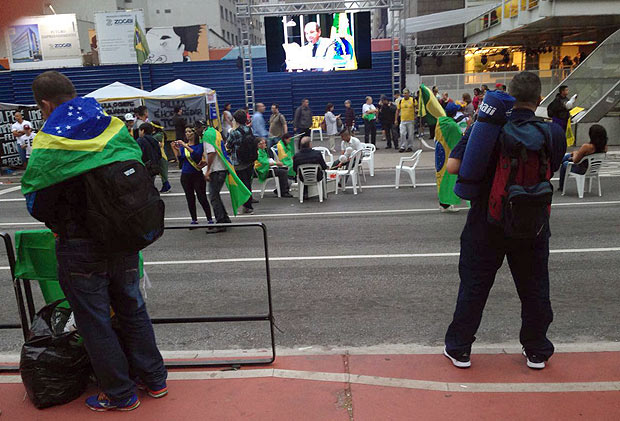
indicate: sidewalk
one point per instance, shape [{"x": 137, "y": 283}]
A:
[{"x": 346, "y": 386}]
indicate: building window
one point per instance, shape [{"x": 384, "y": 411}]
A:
[
  {"x": 157, "y": 11},
  {"x": 167, "y": 11},
  {"x": 222, "y": 12}
]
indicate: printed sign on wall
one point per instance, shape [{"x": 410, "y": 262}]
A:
[
  {"x": 115, "y": 35},
  {"x": 39, "y": 42}
]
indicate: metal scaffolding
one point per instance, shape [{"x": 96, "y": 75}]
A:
[{"x": 247, "y": 9}]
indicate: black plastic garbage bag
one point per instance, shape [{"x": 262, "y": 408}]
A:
[{"x": 54, "y": 366}]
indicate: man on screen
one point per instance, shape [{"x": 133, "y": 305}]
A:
[{"x": 318, "y": 51}]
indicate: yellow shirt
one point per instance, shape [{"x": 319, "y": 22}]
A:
[{"x": 407, "y": 109}]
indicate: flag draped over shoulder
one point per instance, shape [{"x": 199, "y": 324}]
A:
[
  {"x": 448, "y": 135},
  {"x": 428, "y": 106},
  {"x": 78, "y": 137},
  {"x": 140, "y": 44},
  {"x": 239, "y": 193},
  {"x": 286, "y": 154}
]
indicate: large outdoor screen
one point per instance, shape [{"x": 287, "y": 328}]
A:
[{"x": 319, "y": 42}]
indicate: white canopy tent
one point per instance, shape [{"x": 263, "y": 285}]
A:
[
  {"x": 115, "y": 91},
  {"x": 177, "y": 89}
]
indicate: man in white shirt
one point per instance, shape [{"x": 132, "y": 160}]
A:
[
  {"x": 18, "y": 133},
  {"x": 369, "y": 115},
  {"x": 216, "y": 174},
  {"x": 348, "y": 146},
  {"x": 25, "y": 142}
]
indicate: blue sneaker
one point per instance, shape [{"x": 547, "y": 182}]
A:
[
  {"x": 166, "y": 187},
  {"x": 101, "y": 403},
  {"x": 157, "y": 392},
  {"x": 210, "y": 222}
]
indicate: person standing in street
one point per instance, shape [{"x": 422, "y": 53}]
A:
[
  {"x": 216, "y": 175},
  {"x": 387, "y": 114},
  {"x": 303, "y": 118},
  {"x": 484, "y": 245},
  {"x": 259, "y": 128},
  {"x": 277, "y": 125},
  {"x": 406, "y": 112},
  {"x": 349, "y": 116},
  {"x": 331, "y": 125},
  {"x": 369, "y": 115},
  {"x": 179, "y": 123},
  {"x": 92, "y": 276},
  {"x": 243, "y": 151},
  {"x": 227, "y": 120},
  {"x": 559, "y": 109},
  {"x": 142, "y": 116},
  {"x": 19, "y": 134}
]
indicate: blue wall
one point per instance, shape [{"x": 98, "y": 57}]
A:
[{"x": 287, "y": 89}]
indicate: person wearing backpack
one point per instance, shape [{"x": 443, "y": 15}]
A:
[
  {"x": 243, "y": 150},
  {"x": 151, "y": 152},
  {"x": 509, "y": 218},
  {"x": 82, "y": 164}
]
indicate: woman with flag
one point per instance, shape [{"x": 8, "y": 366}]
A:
[
  {"x": 286, "y": 152},
  {"x": 191, "y": 158}
]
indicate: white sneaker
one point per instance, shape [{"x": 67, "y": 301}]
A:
[
  {"x": 533, "y": 361},
  {"x": 449, "y": 209}
]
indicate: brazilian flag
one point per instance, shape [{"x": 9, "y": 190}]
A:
[
  {"x": 239, "y": 193},
  {"x": 78, "y": 137},
  {"x": 286, "y": 154},
  {"x": 140, "y": 44},
  {"x": 428, "y": 106},
  {"x": 448, "y": 134}
]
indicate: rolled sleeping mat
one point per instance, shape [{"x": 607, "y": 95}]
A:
[{"x": 491, "y": 117}]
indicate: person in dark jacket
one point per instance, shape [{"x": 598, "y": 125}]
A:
[
  {"x": 303, "y": 118},
  {"x": 349, "y": 116},
  {"x": 307, "y": 155},
  {"x": 559, "y": 108},
  {"x": 151, "y": 151},
  {"x": 387, "y": 114},
  {"x": 179, "y": 122}
]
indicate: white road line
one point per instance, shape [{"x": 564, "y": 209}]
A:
[
  {"x": 349, "y": 257},
  {"x": 10, "y": 189},
  {"x": 332, "y": 213},
  {"x": 403, "y": 383}
]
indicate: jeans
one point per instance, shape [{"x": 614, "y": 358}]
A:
[
  {"x": 370, "y": 130},
  {"x": 245, "y": 175},
  {"x": 387, "y": 134},
  {"x": 22, "y": 155},
  {"x": 406, "y": 134},
  {"x": 194, "y": 183},
  {"x": 92, "y": 281},
  {"x": 577, "y": 169},
  {"x": 218, "y": 178},
  {"x": 483, "y": 247}
]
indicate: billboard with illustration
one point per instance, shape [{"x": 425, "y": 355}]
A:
[{"x": 173, "y": 44}]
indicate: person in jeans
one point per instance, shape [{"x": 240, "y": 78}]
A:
[
  {"x": 216, "y": 176},
  {"x": 331, "y": 125},
  {"x": 244, "y": 170},
  {"x": 93, "y": 278},
  {"x": 191, "y": 158},
  {"x": 369, "y": 115},
  {"x": 484, "y": 247},
  {"x": 406, "y": 112},
  {"x": 597, "y": 144}
]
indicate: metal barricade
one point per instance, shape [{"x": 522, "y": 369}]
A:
[{"x": 23, "y": 292}]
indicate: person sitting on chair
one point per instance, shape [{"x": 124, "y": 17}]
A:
[
  {"x": 266, "y": 161},
  {"x": 598, "y": 144},
  {"x": 307, "y": 155}
]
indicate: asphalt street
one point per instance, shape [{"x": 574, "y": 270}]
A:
[{"x": 375, "y": 268}]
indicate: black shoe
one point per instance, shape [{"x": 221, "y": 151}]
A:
[
  {"x": 214, "y": 230},
  {"x": 534, "y": 361},
  {"x": 401, "y": 150},
  {"x": 409, "y": 150},
  {"x": 458, "y": 360},
  {"x": 388, "y": 147},
  {"x": 287, "y": 194}
]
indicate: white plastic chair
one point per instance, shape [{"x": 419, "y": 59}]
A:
[
  {"x": 327, "y": 155},
  {"x": 352, "y": 172},
  {"x": 310, "y": 175},
  {"x": 594, "y": 166},
  {"x": 274, "y": 150},
  {"x": 415, "y": 159},
  {"x": 263, "y": 185},
  {"x": 316, "y": 130},
  {"x": 368, "y": 158}
]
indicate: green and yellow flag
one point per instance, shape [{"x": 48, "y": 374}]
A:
[
  {"x": 448, "y": 135},
  {"x": 239, "y": 193},
  {"x": 286, "y": 154},
  {"x": 78, "y": 137},
  {"x": 428, "y": 106},
  {"x": 140, "y": 44}
]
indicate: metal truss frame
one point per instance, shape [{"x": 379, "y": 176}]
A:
[
  {"x": 445, "y": 49},
  {"x": 247, "y": 9}
]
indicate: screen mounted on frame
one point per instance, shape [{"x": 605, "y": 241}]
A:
[{"x": 319, "y": 42}]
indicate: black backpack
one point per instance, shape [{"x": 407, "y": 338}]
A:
[
  {"x": 123, "y": 211},
  {"x": 247, "y": 151},
  {"x": 152, "y": 156}
]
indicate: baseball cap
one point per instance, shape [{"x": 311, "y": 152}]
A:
[
  {"x": 27, "y": 126},
  {"x": 129, "y": 117},
  {"x": 499, "y": 85}
]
